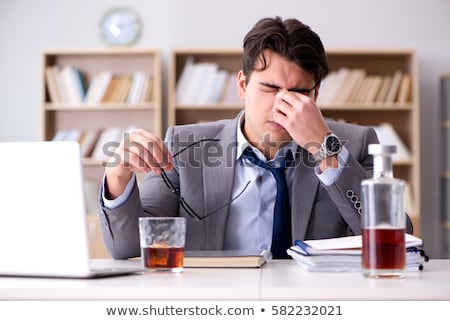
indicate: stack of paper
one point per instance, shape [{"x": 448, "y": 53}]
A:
[{"x": 343, "y": 254}]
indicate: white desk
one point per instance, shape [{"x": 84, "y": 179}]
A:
[{"x": 278, "y": 280}]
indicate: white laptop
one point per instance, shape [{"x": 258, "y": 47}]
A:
[{"x": 43, "y": 224}]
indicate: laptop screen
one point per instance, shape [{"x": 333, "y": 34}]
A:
[{"x": 42, "y": 212}]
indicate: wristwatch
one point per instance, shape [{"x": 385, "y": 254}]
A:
[{"x": 331, "y": 146}]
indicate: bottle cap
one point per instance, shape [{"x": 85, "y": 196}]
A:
[{"x": 378, "y": 149}]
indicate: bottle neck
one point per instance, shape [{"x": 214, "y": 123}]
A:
[{"x": 382, "y": 167}]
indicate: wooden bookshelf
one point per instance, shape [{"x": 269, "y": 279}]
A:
[
  {"x": 402, "y": 116},
  {"x": 229, "y": 60},
  {"x": 87, "y": 116},
  {"x": 146, "y": 112}
]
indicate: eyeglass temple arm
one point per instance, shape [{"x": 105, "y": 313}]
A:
[
  {"x": 175, "y": 190},
  {"x": 228, "y": 203}
]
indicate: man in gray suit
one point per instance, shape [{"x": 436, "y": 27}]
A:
[{"x": 203, "y": 171}]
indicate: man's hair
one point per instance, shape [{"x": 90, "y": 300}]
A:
[{"x": 290, "y": 39}]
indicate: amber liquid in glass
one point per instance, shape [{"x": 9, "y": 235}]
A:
[
  {"x": 163, "y": 257},
  {"x": 383, "y": 249}
]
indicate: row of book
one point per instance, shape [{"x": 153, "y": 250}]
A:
[
  {"x": 356, "y": 86},
  {"x": 96, "y": 144},
  {"x": 203, "y": 83},
  {"x": 68, "y": 85}
]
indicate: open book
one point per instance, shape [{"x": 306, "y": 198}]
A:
[
  {"x": 344, "y": 254},
  {"x": 224, "y": 258}
]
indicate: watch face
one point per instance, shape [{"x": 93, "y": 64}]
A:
[
  {"x": 120, "y": 27},
  {"x": 333, "y": 145}
]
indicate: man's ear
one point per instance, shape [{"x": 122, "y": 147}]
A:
[{"x": 241, "y": 84}]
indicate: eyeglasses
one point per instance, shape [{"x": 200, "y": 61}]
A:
[{"x": 189, "y": 210}]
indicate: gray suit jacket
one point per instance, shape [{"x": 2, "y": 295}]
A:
[{"x": 205, "y": 180}]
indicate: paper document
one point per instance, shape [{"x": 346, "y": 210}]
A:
[{"x": 344, "y": 254}]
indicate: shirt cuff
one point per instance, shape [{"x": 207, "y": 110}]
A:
[
  {"x": 121, "y": 199},
  {"x": 331, "y": 174}
]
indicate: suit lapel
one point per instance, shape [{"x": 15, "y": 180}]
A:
[
  {"x": 218, "y": 175},
  {"x": 304, "y": 188}
]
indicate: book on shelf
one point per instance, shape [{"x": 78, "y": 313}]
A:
[
  {"x": 356, "y": 86},
  {"x": 118, "y": 83},
  {"x": 88, "y": 142},
  {"x": 183, "y": 80},
  {"x": 60, "y": 135},
  {"x": 405, "y": 89},
  {"x": 344, "y": 254},
  {"x": 92, "y": 88},
  {"x": 388, "y": 136},
  {"x": 92, "y": 142},
  {"x": 325, "y": 86},
  {"x": 230, "y": 94},
  {"x": 202, "y": 92},
  {"x": 73, "y": 81},
  {"x": 137, "y": 89},
  {"x": 225, "y": 259},
  {"x": 363, "y": 89},
  {"x": 202, "y": 83},
  {"x": 146, "y": 95},
  {"x": 98, "y": 87},
  {"x": 67, "y": 85},
  {"x": 332, "y": 84},
  {"x": 213, "y": 87},
  {"x": 384, "y": 89},
  {"x": 110, "y": 90},
  {"x": 352, "y": 98},
  {"x": 122, "y": 90},
  {"x": 197, "y": 85},
  {"x": 72, "y": 134},
  {"x": 62, "y": 90},
  {"x": 373, "y": 89},
  {"x": 350, "y": 84},
  {"x": 393, "y": 89},
  {"x": 108, "y": 141},
  {"x": 52, "y": 85}
]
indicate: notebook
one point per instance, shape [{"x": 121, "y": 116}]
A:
[
  {"x": 225, "y": 259},
  {"x": 43, "y": 223}
]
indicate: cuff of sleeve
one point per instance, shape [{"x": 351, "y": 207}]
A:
[
  {"x": 119, "y": 201},
  {"x": 331, "y": 174}
]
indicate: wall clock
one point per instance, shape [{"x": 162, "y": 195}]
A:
[{"x": 120, "y": 27}]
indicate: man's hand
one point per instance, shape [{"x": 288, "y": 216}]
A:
[
  {"x": 139, "y": 151},
  {"x": 302, "y": 119}
]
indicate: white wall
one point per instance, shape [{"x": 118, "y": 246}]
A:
[{"x": 28, "y": 26}]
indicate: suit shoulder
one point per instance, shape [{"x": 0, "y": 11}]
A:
[
  {"x": 341, "y": 128},
  {"x": 201, "y": 130}
]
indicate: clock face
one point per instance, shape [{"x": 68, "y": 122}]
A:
[{"x": 120, "y": 27}]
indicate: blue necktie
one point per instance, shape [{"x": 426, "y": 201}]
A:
[{"x": 281, "y": 235}]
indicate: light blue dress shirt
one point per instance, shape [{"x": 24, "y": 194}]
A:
[{"x": 250, "y": 221}]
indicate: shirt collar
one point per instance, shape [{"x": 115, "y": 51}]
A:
[{"x": 243, "y": 143}]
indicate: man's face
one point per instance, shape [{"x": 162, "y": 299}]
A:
[{"x": 259, "y": 95}]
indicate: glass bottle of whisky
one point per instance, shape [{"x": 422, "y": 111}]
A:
[{"x": 383, "y": 218}]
